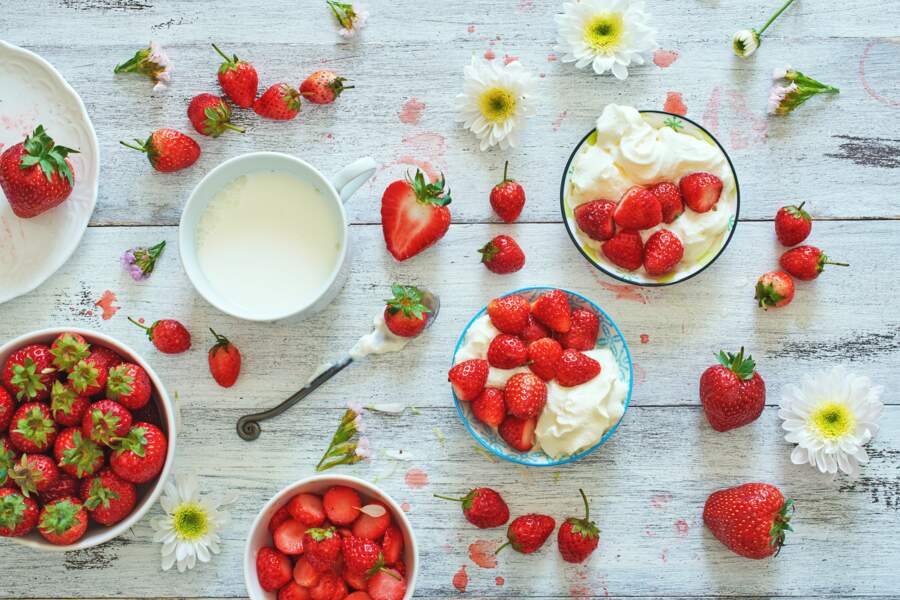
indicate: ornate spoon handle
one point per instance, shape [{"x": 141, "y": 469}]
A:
[{"x": 248, "y": 425}]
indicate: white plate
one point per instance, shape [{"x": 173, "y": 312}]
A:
[{"x": 32, "y": 92}]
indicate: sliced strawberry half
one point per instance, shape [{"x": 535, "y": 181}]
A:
[
  {"x": 289, "y": 537},
  {"x": 372, "y": 528},
  {"x": 388, "y": 584},
  {"x": 518, "y": 433},
  {"x": 414, "y": 215},
  {"x": 305, "y": 574},
  {"x": 308, "y": 509},
  {"x": 342, "y": 505},
  {"x": 701, "y": 191}
]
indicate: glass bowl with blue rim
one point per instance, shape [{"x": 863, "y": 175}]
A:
[
  {"x": 609, "y": 337},
  {"x": 731, "y": 193}
]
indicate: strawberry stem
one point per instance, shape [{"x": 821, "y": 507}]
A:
[
  {"x": 505, "y": 171},
  {"x": 497, "y": 551},
  {"x": 233, "y": 127},
  {"x": 140, "y": 148},
  {"x": 449, "y": 498},
  {"x": 223, "y": 55},
  {"x": 141, "y": 325},
  {"x": 587, "y": 507}
]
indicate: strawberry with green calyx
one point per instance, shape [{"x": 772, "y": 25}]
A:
[
  {"x": 323, "y": 87},
  {"x": 29, "y": 372},
  {"x": 322, "y": 548},
  {"x": 35, "y": 174},
  {"x": 502, "y": 255},
  {"x": 508, "y": 197},
  {"x": 34, "y": 473},
  {"x": 363, "y": 556},
  {"x": 578, "y": 538},
  {"x": 751, "y": 520},
  {"x": 18, "y": 513},
  {"x": 63, "y": 522},
  {"x": 732, "y": 393},
  {"x": 139, "y": 456},
  {"x": 88, "y": 378},
  {"x": 167, "y": 150},
  {"x": 792, "y": 224},
  {"x": 129, "y": 385},
  {"x": 238, "y": 79},
  {"x": 32, "y": 430},
  {"x": 107, "y": 497},
  {"x": 526, "y": 534},
  {"x": 405, "y": 314},
  {"x": 67, "y": 349},
  {"x": 414, "y": 215},
  {"x": 774, "y": 290},
  {"x": 7, "y": 408},
  {"x": 67, "y": 406},
  {"x": 224, "y": 360},
  {"x": 211, "y": 115},
  {"x": 8, "y": 456},
  {"x": 806, "y": 262},
  {"x": 76, "y": 454},
  {"x": 105, "y": 421},
  {"x": 483, "y": 507},
  {"x": 168, "y": 335},
  {"x": 280, "y": 102}
]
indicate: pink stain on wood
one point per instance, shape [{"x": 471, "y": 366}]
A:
[
  {"x": 461, "y": 579},
  {"x": 664, "y": 555},
  {"x": 645, "y": 339},
  {"x": 559, "y": 119},
  {"x": 580, "y": 591},
  {"x": 416, "y": 478},
  {"x": 625, "y": 292},
  {"x": 106, "y": 304},
  {"x": 428, "y": 143},
  {"x": 660, "y": 501},
  {"x": 681, "y": 526},
  {"x": 471, "y": 28},
  {"x": 509, "y": 59},
  {"x": 429, "y": 169},
  {"x": 675, "y": 103},
  {"x": 711, "y": 114},
  {"x": 490, "y": 54},
  {"x": 526, "y": 5},
  {"x": 754, "y": 128},
  {"x": 664, "y": 58},
  {"x": 482, "y": 553},
  {"x": 499, "y": 581},
  {"x": 411, "y": 112},
  {"x": 552, "y": 57},
  {"x": 864, "y": 80},
  {"x": 640, "y": 374},
  {"x": 405, "y": 507}
]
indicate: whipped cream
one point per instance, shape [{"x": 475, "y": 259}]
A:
[
  {"x": 630, "y": 151},
  {"x": 381, "y": 340},
  {"x": 574, "y": 418}
]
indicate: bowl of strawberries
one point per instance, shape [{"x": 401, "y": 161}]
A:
[
  {"x": 87, "y": 438},
  {"x": 331, "y": 537}
]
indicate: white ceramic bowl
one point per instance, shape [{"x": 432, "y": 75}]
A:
[
  {"x": 148, "y": 493},
  {"x": 260, "y": 537}
]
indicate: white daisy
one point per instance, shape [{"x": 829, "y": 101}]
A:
[
  {"x": 495, "y": 101},
  {"x": 190, "y": 530},
  {"x": 607, "y": 34},
  {"x": 745, "y": 42},
  {"x": 830, "y": 417}
]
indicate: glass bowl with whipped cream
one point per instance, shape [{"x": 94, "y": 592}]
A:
[
  {"x": 649, "y": 197},
  {"x": 575, "y": 420}
]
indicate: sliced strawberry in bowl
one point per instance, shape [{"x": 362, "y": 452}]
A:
[
  {"x": 701, "y": 191},
  {"x": 342, "y": 505},
  {"x": 638, "y": 209},
  {"x": 289, "y": 537}
]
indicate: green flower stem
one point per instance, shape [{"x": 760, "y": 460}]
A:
[
  {"x": 341, "y": 449},
  {"x": 775, "y": 16}
]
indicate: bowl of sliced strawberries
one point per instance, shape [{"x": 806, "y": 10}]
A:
[
  {"x": 87, "y": 438},
  {"x": 331, "y": 537}
]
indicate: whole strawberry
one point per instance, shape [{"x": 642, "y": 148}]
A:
[
  {"x": 66, "y": 405},
  {"x": 526, "y": 534},
  {"x": 63, "y": 522},
  {"x": 574, "y": 368},
  {"x": 322, "y": 547},
  {"x": 595, "y": 219},
  {"x": 662, "y": 252},
  {"x": 105, "y": 421},
  {"x": 468, "y": 378},
  {"x": 65, "y": 485},
  {"x": 129, "y": 385},
  {"x": 18, "y": 513},
  {"x": 578, "y": 538},
  {"x": 507, "y": 352},
  {"x": 280, "y": 102},
  {"x": 732, "y": 392},
  {"x": 405, "y": 314},
  {"x": 534, "y": 330},
  {"x": 774, "y": 290},
  {"x": 273, "y": 569},
  {"x": 35, "y": 174},
  {"x": 224, "y": 360},
  {"x": 669, "y": 196},
  {"x": 750, "y": 519},
  {"x": 553, "y": 310},
  {"x": 483, "y": 507},
  {"x": 67, "y": 349},
  {"x": 29, "y": 372},
  {"x": 414, "y": 215},
  {"x": 140, "y": 455},
  {"x": 107, "y": 497},
  {"x": 543, "y": 355},
  {"x": 211, "y": 115},
  {"x": 806, "y": 262},
  {"x": 525, "y": 395},
  {"x": 510, "y": 314},
  {"x": 8, "y": 457},
  {"x": 34, "y": 473},
  {"x": 584, "y": 331},
  {"x": 168, "y": 335},
  {"x": 362, "y": 556},
  {"x": 490, "y": 407},
  {"x": 625, "y": 249},
  {"x": 88, "y": 377},
  {"x": 32, "y": 429},
  {"x": 502, "y": 255},
  {"x": 638, "y": 209},
  {"x": 167, "y": 150},
  {"x": 323, "y": 87},
  {"x": 508, "y": 197},
  {"x": 76, "y": 454},
  {"x": 792, "y": 224},
  {"x": 7, "y": 409},
  {"x": 238, "y": 79}
]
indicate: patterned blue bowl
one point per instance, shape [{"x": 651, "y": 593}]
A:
[{"x": 610, "y": 337}]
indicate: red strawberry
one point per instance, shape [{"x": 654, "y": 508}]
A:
[
  {"x": 18, "y": 513},
  {"x": 638, "y": 209},
  {"x": 280, "y": 102},
  {"x": 405, "y": 314},
  {"x": 32, "y": 430},
  {"x": 67, "y": 349},
  {"x": 67, "y": 407},
  {"x": 308, "y": 509},
  {"x": 578, "y": 538},
  {"x": 168, "y": 335},
  {"x": 323, "y": 87},
  {"x": 584, "y": 331},
  {"x": 281, "y": 515},
  {"x": 502, "y": 255},
  {"x": 414, "y": 215},
  {"x": 670, "y": 200},
  {"x": 322, "y": 548},
  {"x": 387, "y": 585},
  {"x": 88, "y": 377},
  {"x": 211, "y": 115},
  {"x": 806, "y": 262},
  {"x": 526, "y": 534},
  {"x": 359, "y": 595},
  {"x": 732, "y": 392},
  {"x": 662, "y": 252},
  {"x": 224, "y": 360},
  {"x": 525, "y": 395},
  {"x": 63, "y": 522},
  {"x": 129, "y": 385},
  {"x": 507, "y": 352},
  {"x": 238, "y": 79},
  {"x": 490, "y": 407},
  {"x": 552, "y": 309},
  {"x": 107, "y": 497},
  {"x": 468, "y": 378},
  {"x": 542, "y": 357},
  {"x": 508, "y": 197},
  {"x": 7, "y": 409},
  {"x": 329, "y": 587},
  {"x": 774, "y": 289},
  {"x": 392, "y": 545},
  {"x": 8, "y": 457},
  {"x": 140, "y": 455},
  {"x": 105, "y": 357},
  {"x": 304, "y": 574},
  {"x": 533, "y": 331},
  {"x": 273, "y": 569},
  {"x": 341, "y": 504},
  {"x": 65, "y": 485},
  {"x": 574, "y": 368},
  {"x": 483, "y": 507},
  {"x": 28, "y": 373},
  {"x": 168, "y": 150},
  {"x": 625, "y": 249},
  {"x": 105, "y": 421},
  {"x": 792, "y": 224},
  {"x": 701, "y": 191},
  {"x": 372, "y": 528},
  {"x": 35, "y": 174},
  {"x": 509, "y": 314},
  {"x": 750, "y": 519},
  {"x": 76, "y": 454},
  {"x": 595, "y": 219},
  {"x": 356, "y": 581},
  {"x": 518, "y": 433},
  {"x": 293, "y": 591},
  {"x": 362, "y": 555},
  {"x": 288, "y": 537},
  {"x": 34, "y": 473}
]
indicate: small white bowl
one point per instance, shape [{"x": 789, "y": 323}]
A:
[
  {"x": 260, "y": 537},
  {"x": 148, "y": 493}
]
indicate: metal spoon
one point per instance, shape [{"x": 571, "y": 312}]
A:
[{"x": 248, "y": 425}]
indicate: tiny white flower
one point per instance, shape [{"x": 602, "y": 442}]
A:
[
  {"x": 830, "y": 417},
  {"x": 777, "y": 95},
  {"x": 350, "y": 17},
  {"x": 745, "y": 42},
  {"x": 364, "y": 448},
  {"x": 151, "y": 62},
  {"x": 496, "y": 99},
  {"x": 780, "y": 72}
]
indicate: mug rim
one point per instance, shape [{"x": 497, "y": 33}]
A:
[{"x": 188, "y": 238}]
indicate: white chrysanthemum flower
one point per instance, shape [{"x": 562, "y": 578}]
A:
[
  {"x": 610, "y": 35},
  {"x": 190, "y": 530},
  {"x": 745, "y": 42},
  {"x": 831, "y": 417},
  {"x": 495, "y": 101}
]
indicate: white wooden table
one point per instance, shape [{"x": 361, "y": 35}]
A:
[{"x": 650, "y": 481}]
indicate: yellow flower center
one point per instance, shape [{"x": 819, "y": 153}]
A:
[
  {"x": 833, "y": 420},
  {"x": 604, "y": 32},
  {"x": 190, "y": 521},
  {"x": 497, "y": 104}
]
